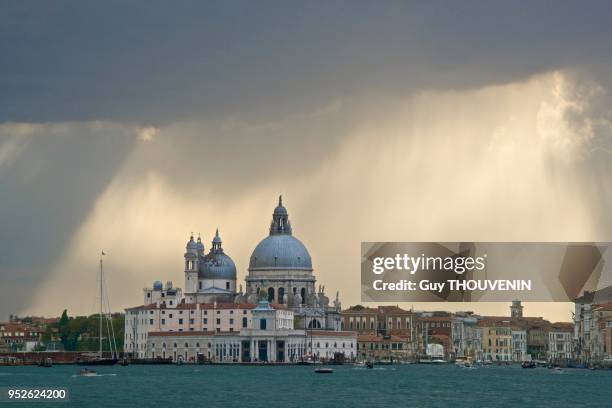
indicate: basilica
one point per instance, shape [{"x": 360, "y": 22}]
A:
[{"x": 225, "y": 323}]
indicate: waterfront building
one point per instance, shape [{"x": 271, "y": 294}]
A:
[
  {"x": 519, "y": 343},
  {"x": 587, "y": 346},
  {"x": 19, "y": 337},
  {"x": 212, "y": 310},
  {"x": 435, "y": 327},
  {"x": 560, "y": 342},
  {"x": 600, "y": 332},
  {"x": 381, "y": 320},
  {"x": 373, "y": 347},
  {"x": 496, "y": 338},
  {"x": 467, "y": 341}
]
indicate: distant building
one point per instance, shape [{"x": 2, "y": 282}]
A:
[
  {"x": 496, "y": 338},
  {"x": 561, "y": 342},
  {"x": 466, "y": 335},
  {"x": 590, "y": 328},
  {"x": 373, "y": 347},
  {"x": 519, "y": 343},
  {"x": 381, "y": 320},
  {"x": 19, "y": 337}
]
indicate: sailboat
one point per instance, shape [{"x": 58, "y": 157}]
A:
[{"x": 100, "y": 360}]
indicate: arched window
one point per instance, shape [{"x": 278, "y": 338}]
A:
[
  {"x": 303, "y": 295},
  {"x": 262, "y": 324},
  {"x": 244, "y": 322},
  {"x": 281, "y": 295},
  {"x": 271, "y": 295},
  {"x": 186, "y": 345},
  {"x": 175, "y": 345},
  {"x": 314, "y": 324}
]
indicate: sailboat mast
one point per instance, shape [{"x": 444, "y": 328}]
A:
[{"x": 101, "y": 272}]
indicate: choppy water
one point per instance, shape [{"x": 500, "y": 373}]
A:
[{"x": 256, "y": 386}]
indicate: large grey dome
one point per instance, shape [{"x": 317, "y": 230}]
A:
[
  {"x": 216, "y": 264},
  {"x": 280, "y": 252}
]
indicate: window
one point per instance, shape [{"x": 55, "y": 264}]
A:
[
  {"x": 231, "y": 312},
  {"x": 200, "y": 285},
  {"x": 190, "y": 321},
  {"x": 262, "y": 324},
  {"x": 231, "y": 321},
  {"x": 205, "y": 321},
  {"x": 218, "y": 321},
  {"x": 163, "y": 321},
  {"x": 244, "y": 322},
  {"x": 180, "y": 321},
  {"x": 244, "y": 312},
  {"x": 150, "y": 321},
  {"x": 170, "y": 315},
  {"x": 227, "y": 285}
]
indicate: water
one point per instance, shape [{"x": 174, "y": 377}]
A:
[{"x": 299, "y": 386}]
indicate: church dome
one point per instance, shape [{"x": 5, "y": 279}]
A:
[
  {"x": 216, "y": 264},
  {"x": 191, "y": 244},
  {"x": 280, "y": 250}
]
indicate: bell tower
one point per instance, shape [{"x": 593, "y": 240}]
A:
[
  {"x": 516, "y": 310},
  {"x": 191, "y": 264}
]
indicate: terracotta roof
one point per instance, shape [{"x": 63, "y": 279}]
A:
[
  {"x": 495, "y": 322},
  {"x": 359, "y": 309},
  {"x": 563, "y": 326},
  {"x": 332, "y": 333}
]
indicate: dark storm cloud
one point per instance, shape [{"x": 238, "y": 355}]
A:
[
  {"x": 155, "y": 61},
  {"x": 47, "y": 185}
]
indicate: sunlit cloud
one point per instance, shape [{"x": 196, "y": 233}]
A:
[{"x": 496, "y": 163}]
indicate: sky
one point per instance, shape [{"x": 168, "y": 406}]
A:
[{"x": 124, "y": 127}]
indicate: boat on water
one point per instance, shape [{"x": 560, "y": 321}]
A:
[
  {"x": 85, "y": 372},
  {"x": 528, "y": 364},
  {"x": 100, "y": 360},
  {"x": 432, "y": 361},
  {"x": 324, "y": 370},
  {"x": 46, "y": 362},
  {"x": 370, "y": 364}
]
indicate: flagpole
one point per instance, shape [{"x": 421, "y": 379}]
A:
[{"x": 101, "y": 271}]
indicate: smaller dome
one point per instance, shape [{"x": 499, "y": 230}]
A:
[
  {"x": 200, "y": 245},
  {"x": 157, "y": 285},
  {"x": 216, "y": 264},
  {"x": 191, "y": 244}
]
